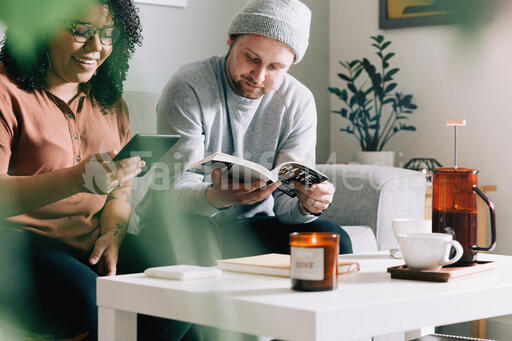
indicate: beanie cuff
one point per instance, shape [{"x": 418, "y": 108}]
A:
[{"x": 257, "y": 23}]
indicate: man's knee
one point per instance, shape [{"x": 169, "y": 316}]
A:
[{"x": 324, "y": 225}]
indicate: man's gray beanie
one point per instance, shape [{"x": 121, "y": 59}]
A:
[{"x": 285, "y": 20}]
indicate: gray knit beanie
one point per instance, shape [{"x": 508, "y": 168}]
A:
[{"x": 285, "y": 20}]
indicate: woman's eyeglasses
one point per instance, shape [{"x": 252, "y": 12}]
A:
[{"x": 85, "y": 32}]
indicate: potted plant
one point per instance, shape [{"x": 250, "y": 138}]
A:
[{"x": 375, "y": 113}]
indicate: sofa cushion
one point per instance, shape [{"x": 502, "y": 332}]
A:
[{"x": 362, "y": 238}]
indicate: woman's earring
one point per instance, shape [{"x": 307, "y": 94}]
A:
[{"x": 49, "y": 61}]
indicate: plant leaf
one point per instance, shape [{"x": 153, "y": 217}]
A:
[
  {"x": 390, "y": 87},
  {"x": 388, "y": 56},
  {"x": 376, "y": 46},
  {"x": 342, "y": 94},
  {"x": 353, "y": 101},
  {"x": 352, "y": 87},
  {"x": 357, "y": 74},
  {"x": 334, "y": 91},
  {"x": 28, "y": 21},
  {"x": 361, "y": 98},
  {"x": 390, "y": 73},
  {"x": 378, "y": 78},
  {"x": 347, "y": 130},
  {"x": 386, "y": 44},
  {"x": 370, "y": 70},
  {"x": 344, "y": 77},
  {"x": 353, "y": 63}
]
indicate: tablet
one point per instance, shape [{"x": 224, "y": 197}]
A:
[{"x": 150, "y": 148}]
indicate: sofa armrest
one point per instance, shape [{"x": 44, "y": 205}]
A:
[{"x": 373, "y": 196}]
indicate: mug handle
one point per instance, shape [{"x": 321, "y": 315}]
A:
[
  {"x": 493, "y": 221},
  {"x": 459, "y": 251}
]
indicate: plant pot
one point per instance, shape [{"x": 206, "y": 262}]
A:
[{"x": 383, "y": 158}]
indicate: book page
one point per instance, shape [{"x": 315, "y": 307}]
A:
[
  {"x": 242, "y": 173},
  {"x": 207, "y": 167},
  {"x": 238, "y": 169}
]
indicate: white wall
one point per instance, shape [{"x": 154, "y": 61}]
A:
[
  {"x": 175, "y": 36},
  {"x": 453, "y": 75}
]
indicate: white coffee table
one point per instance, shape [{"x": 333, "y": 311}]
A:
[{"x": 367, "y": 303}]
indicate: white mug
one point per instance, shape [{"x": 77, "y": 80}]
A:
[
  {"x": 428, "y": 251},
  {"x": 411, "y": 226},
  {"x": 407, "y": 225}
]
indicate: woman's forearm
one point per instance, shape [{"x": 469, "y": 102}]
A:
[
  {"x": 21, "y": 194},
  {"x": 116, "y": 213}
]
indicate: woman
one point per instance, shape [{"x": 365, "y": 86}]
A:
[{"x": 64, "y": 204}]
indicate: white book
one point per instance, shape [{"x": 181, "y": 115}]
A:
[
  {"x": 182, "y": 272},
  {"x": 242, "y": 171},
  {"x": 273, "y": 264}
]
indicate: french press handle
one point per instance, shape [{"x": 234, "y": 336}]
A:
[{"x": 493, "y": 221}]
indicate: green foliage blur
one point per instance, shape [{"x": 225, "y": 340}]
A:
[{"x": 28, "y": 20}]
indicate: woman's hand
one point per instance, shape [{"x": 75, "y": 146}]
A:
[
  {"x": 106, "y": 250},
  {"x": 114, "y": 219},
  {"x": 101, "y": 175}
]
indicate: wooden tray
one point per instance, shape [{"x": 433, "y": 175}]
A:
[{"x": 444, "y": 275}]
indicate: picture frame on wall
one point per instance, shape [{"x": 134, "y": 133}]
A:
[
  {"x": 411, "y": 13},
  {"x": 171, "y": 3}
]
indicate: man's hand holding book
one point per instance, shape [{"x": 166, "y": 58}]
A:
[
  {"x": 315, "y": 198},
  {"x": 224, "y": 193}
]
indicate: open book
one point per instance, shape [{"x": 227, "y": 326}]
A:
[
  {"x": 273, "y": 264},
  {"x": 243, "y": 171}
]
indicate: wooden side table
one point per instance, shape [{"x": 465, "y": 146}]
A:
[{"x": 478, "y": 326}]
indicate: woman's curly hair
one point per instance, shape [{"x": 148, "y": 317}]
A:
[{"x": 106, "y": 86}]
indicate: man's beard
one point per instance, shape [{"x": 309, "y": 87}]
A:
[{"x": 241, "y": 90}]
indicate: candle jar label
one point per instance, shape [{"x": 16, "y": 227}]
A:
[{"x": 307, "y": 263}]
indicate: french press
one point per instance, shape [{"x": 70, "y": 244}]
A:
[{"x": 454, "y": 205}]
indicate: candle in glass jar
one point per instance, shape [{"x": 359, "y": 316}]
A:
[{"x": 314, "y": 260}]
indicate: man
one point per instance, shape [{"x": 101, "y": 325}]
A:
[{"x": 246, "y": 104}]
